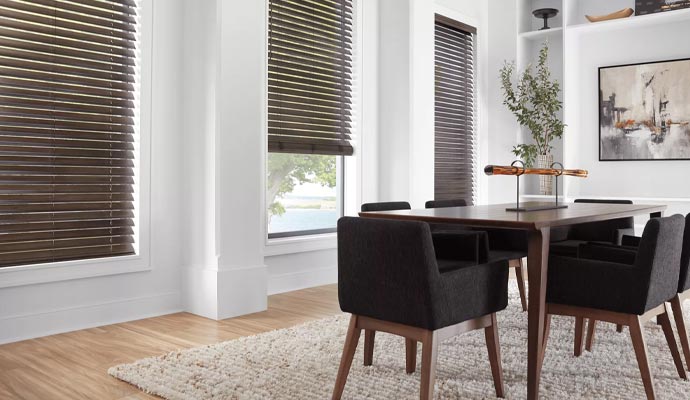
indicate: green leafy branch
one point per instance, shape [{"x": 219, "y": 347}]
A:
[{"x": 534, "y": 102}]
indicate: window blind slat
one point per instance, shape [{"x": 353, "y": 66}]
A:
[
  {"x": 68, "y": 103},
  {"x": 454, "y": 111},
  {"x": 67, "y": 46},
  {"x": 66, "y": 234},
  {"x": 310, "y": 77}
]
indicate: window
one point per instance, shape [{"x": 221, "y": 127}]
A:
[
  {"x": 68, "y": 121},
  {"x": 310, "y": 113},
  {"x": 454, "y": 110}
]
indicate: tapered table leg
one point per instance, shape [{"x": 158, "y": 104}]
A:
[{"x": 537, "y": 265}]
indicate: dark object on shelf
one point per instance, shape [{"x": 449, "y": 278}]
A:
[
  {"x": 643, "y": 7},
  {"x": 624, "y": 13},
  {"x": 545, "y": 14}
]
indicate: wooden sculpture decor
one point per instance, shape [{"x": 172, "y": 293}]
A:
[
  {"x": 518, "y": 170},
  {"x": 624, "y": 13}
]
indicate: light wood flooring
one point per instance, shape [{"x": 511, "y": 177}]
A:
[{"x": 73, "y": 365}]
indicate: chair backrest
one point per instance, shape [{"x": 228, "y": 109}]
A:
[
  {"x": 684, "y": 282},
  {"x": 386, "y": 206},
  {"x": 602, "y": 231},
  {"x": 658, "y": 258},
  {"x": 445, "y": 203},
  {"x": 386, "y": 269}
]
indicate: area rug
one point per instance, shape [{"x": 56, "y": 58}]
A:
[{"x": 301, "y": 363}]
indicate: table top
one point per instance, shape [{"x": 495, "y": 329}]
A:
[{"x": 495, "y": 215}]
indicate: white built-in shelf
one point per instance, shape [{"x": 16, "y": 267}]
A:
[
  {"x": 633, "y": 22},
  {"x": 540, "y": 35}
]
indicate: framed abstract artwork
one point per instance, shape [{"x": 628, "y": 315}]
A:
[
  {"x": 644, "y": 111},
  {"x": 644, "y": 7}
]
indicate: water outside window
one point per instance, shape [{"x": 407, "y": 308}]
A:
[{"x": 303, "y": 193}]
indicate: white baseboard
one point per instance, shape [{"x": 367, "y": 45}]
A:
[
  {"x": 28, "y": 326},
  {"x": 221, "y": 294},
  {"x": 301, "y": 280}
]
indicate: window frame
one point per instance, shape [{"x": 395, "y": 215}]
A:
[
  {"x": 464, "y": 22},
  {"x": 29, "y": 274},
  {"x": 350, "y": 166}
]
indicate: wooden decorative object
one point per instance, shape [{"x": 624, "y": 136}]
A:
[
  {"x": 517, "y": 171},
  {"x": 624, "y": 13}
]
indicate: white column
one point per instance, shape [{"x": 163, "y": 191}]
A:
[
  {"x": 225, "y": 81},
  {"x": 240, "y": 157}
]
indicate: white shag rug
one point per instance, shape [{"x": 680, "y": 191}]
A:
[{"x": 301, "y": 363}]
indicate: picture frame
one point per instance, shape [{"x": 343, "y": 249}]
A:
[
  {"x": 644, "y": 111},
  {"x": 645, "y": 7}
]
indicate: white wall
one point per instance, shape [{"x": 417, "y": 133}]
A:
[
  {"x": 502, "y": 129},
  {"x": 37, "y": 310},
  {"x": 587, "y": 52}
]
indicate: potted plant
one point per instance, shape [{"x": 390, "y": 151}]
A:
[{"x": 534, "y": 102}]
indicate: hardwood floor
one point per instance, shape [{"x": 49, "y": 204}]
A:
[{"x": 73, "y": 365}]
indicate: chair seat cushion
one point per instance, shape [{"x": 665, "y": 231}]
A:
[
  {"x": 608, "y": 252},
  {"x": 596, "y": 284},
  {"x": 567, "y": 248}
]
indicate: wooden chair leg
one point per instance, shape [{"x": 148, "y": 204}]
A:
[
  {"x": 579, "y": 327},
  {"x": 429, "y": 357},
  {"x": 351, "y": 340},
  {"x": 369, "y": 337},
  {"x": 619, "y": 328},
  {"x": 494, "y": 347},
  {"x": 410, "y": 355},
  {"x": 520, "y": 275},
  {"x": 547, "y": 330},
  {"x": 641, "y": 353},
  {"x": 591, "y": 327},
  {"x": 671, "y": 340},
  {"x": 677, "y": 307}
]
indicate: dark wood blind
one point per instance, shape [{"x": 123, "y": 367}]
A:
[
  {"x": 310, "y": 53},
  {"x": 454, "y": 176},
  {"x": 68, "y": 104}
]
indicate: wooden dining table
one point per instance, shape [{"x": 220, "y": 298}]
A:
[{"x": 538, "y": 225}]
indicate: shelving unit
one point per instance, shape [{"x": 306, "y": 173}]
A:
[
  {"x": 568, "y": 29},
  {"x": 541, "y": 35},
  {"x": 634, "y": 21}
]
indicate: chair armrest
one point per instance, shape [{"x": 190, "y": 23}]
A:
[
  {"x": 620, "y": 233},
  {"x": 631, "y": 241},
  {"x": 609, "y": 253},
  {"x": 589, "y": 267},
  {"x": 596, "y": 284},
  {"x": 462, "y": 246}
]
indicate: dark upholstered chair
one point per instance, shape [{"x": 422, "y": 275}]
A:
[
  {"x": 446, "y": 241},
  {"x": 390, "y": 281},
  {"x": 386, "y": 206},
  {"x": 565, "y": 240},
  {"x": 626, "y": 254},
  {"x": 623, "y": 294},
  {"x": 503, "y": 243}
]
